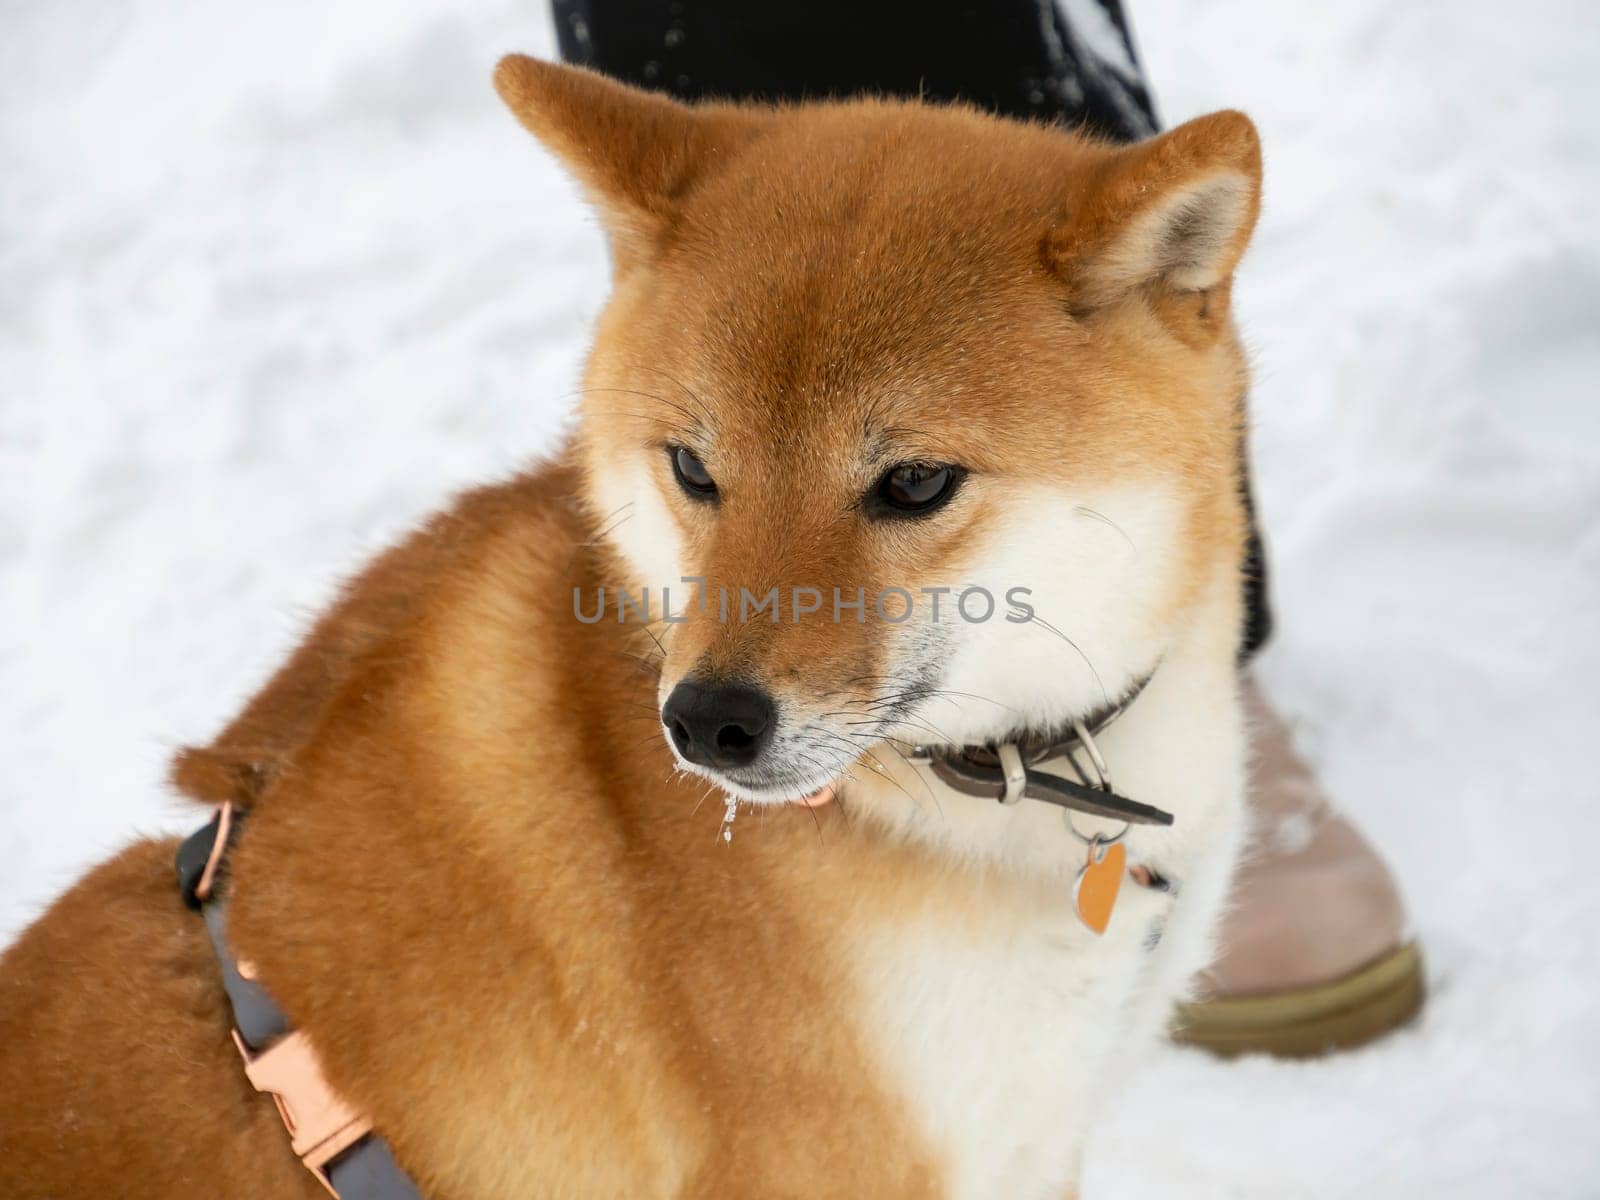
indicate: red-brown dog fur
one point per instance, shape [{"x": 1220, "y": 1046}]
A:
[{"x": 469, "y": 869}]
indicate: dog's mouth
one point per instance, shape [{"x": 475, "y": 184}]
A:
[
  {"x": 774, "y": 785},
  {"x": 804, "y": 795}
]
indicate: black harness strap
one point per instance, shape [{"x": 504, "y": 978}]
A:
[{"x": 366, "y": 1170}]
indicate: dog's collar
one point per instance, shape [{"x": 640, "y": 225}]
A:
[
  {"x": 1009, "y": 772},
  {"x": 335, "y": 1142}
]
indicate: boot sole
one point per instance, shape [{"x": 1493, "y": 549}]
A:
[{"x": 1309, "y": 1022}]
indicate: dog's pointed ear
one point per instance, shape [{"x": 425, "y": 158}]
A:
[
  {"x": 634, "y": 152},
  {"x": 1176, "y": 210}
]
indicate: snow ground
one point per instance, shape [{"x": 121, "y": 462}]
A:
[{"x": 276, "y": 279}]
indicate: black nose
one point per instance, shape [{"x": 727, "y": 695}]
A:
[{"x": 720, "y": 725}]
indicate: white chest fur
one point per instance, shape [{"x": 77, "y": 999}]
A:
[{"x": 1004, "y": 1035}]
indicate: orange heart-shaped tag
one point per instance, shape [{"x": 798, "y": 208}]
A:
[{"x": 1095, "y": 892}]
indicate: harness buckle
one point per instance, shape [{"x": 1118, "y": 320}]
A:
[{"x": 321, "y": 1125}]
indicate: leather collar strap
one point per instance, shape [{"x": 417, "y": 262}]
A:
[
  {"x": 1010, "y": 772},
  {"x": 334, "y": 1141}
]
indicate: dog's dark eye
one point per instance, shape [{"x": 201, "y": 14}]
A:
[
  {"x": 913, "y": 489},
  {"x": 692, "y": 474}
]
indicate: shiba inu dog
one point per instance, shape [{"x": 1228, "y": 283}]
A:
[{"x": 714, "y": 894}]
